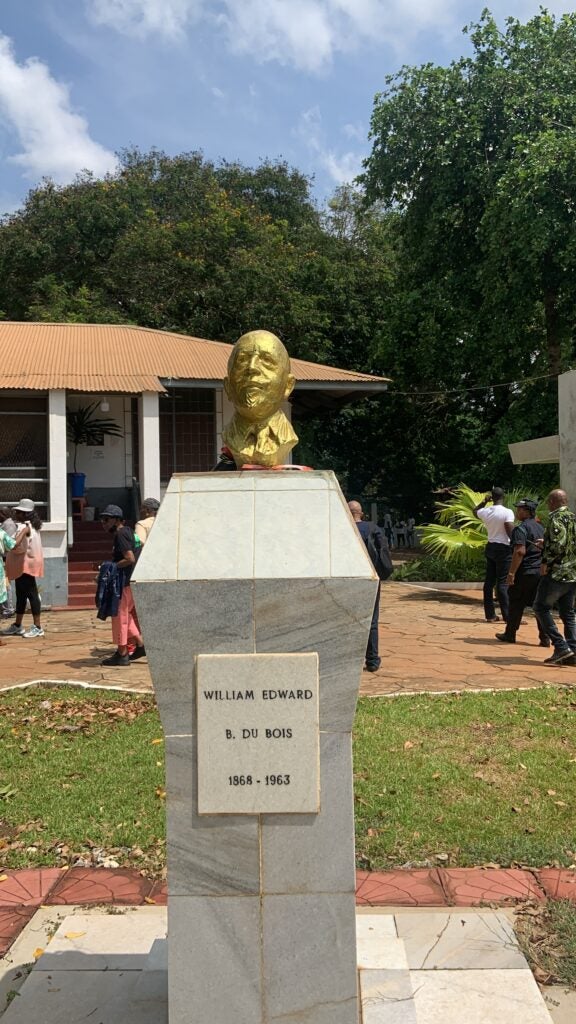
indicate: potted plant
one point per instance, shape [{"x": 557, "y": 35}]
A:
[{"x": 83, "y": 426}]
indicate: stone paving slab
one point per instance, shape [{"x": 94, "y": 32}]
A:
[
  {"x": 459, "y": 940},
  {"x": 478, "y": 997},
  {"x": 111, "y": 969}
]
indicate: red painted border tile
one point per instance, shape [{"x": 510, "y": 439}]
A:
[
  {"x": 558, "y": 883},
  {"x": 417, "y": 888},
  {"x": 29, "y": 887},
  {"x": 100, "y": 885},
  {"x": 12, "y": 921},
  {"x": 466, "y": 887}
]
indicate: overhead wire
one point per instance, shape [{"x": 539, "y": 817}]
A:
[{"x": 475, "y": 387}]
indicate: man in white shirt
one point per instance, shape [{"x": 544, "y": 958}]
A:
[{"x": 499, "y": 522}]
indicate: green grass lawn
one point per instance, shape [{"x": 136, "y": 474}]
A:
[
  {"x": 474, "y": 779},
  {"x": 80, "y": 771}
]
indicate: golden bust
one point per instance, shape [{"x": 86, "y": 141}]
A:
[{"x": 257, "y": 382}]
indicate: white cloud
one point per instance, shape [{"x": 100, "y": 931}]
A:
[
  {"x": 303, "y": 33},
  {"x": 356, "y": 131},
  {"x": 55, "y": 141},
  {"x": 307, "y": 34},
  {"x": 168, "y": 18},
  {"x": 343, "y": 167}
]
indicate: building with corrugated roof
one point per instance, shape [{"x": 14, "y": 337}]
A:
[{"x": 165, "y": 393}]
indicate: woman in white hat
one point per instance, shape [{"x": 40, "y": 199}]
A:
[{"x": 25, "y": 565}]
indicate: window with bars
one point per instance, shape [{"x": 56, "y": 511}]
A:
[
  {"x": 187, "y": 431},
  {"x": 24, "y": 450}
]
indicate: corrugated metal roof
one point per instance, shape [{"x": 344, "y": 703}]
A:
[{"x": 110, "y": 357}]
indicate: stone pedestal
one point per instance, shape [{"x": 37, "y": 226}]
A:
[{"x": 261, "y": 905}]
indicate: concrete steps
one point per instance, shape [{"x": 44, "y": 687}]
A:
[{"x": 91, "y": 547}]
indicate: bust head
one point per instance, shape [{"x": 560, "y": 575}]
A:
[{"x": 258, "y": 378}]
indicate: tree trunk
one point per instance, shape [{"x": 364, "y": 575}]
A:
[{"x": 553, "y": 326}]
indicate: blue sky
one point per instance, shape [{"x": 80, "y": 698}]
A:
[{"x": 239, "y": 79}]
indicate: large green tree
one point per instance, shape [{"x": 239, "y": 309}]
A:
[{"x": 479, "y": 161}]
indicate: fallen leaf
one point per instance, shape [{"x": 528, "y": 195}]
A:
[
  {"x": 560, "y": 803},
  {"x": 74, "y": 935},
  {"x": 408, "y": 745},
  {"x": 38, "y": 953},
  {"x": 148, "y": 899},
  {"x": 517, "y": 810},
  {"x": 160, "y": 792},
  {"x": 157, "y": 741},
  {"x": 551, "y": 792},
  {"x": 522, "y": 766}
]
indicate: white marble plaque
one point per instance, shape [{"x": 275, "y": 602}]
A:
[{"x": 258, "y": 734}]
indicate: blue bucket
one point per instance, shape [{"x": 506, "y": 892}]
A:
[{"x": 77, "y": 481}]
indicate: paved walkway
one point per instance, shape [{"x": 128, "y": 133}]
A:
[
  {"x": 438, "y": 640},
  {"x": 430, "y": 640}
]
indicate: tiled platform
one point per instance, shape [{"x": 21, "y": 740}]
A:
[
  {"x": 415, "y": 967},
  {"x": 433, "y": 641}
]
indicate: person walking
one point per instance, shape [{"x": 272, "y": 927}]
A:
[
  {"x": 148, "y": 511},
  {"x": 557, "y": 584},
  {"x": 373, "y": 538},
  {"x": 125, "y": 625},
  {"x": 524, "y": 573},
  {"x": 25, "y": 565},
  {"x": 498, "y": 521}
]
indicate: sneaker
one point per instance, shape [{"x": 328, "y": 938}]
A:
[
  {"x": 116, "y": 659},
  {"x": 561, "y": 658},
  {"x": 13, "y": 630},
  {"x": 8, "y": 613},
  {"x": 138, "y": 652},
  {"x": 33, "y": 632},
  {"x": 505, "y": 639}
]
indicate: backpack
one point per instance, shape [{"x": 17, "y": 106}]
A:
[{"x": 379, "y": 556}]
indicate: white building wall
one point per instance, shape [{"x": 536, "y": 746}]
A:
[{"x": 104, "y": 465}]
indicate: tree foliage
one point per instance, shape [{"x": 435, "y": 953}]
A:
[
  {"x": 449, "y": 267},
  {"x": 478, "y": 161}
]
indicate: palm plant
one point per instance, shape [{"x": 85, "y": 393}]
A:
[
  {"x": 458, "y": 535},
  {"x": 84, "y": 427}
]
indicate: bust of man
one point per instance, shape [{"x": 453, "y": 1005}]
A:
[{"x": 257, "y": 382}]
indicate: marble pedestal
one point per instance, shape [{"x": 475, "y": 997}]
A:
[{"x": 261, "y": 906}]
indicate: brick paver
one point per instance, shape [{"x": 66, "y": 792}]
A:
[{"x": 559, "y": 883}]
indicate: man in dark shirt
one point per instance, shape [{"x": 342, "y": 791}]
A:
[
  {"x": 373, "y": 660},
  {"x": 524, "y": 573},
  {"x": 125, "y": 625}
]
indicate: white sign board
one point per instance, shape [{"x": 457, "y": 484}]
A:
[{"x": 258, "y": 734}]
